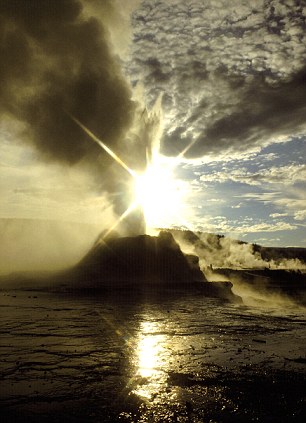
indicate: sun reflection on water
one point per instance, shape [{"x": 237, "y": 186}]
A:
[
  {"x": 150, "y": 359},
  {"x": 147, "y": 357},
  {"x": 149, "y": 349}
]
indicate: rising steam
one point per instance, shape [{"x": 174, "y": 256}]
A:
[
  {"x": 223, "y": 252},
  {"x": 57, "y": 57}
]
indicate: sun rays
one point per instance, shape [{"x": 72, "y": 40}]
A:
[
  {"x": 156, "y": 190},
  {"x": 103, "y": 146}
]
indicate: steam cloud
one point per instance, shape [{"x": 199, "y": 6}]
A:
[
  {"x": 223, "y": 252},
  {"x": 55, "y": 58},
  {"x": 41, "y": 245}
]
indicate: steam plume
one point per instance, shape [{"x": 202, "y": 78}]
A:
[
  {"x": 56, "y": 57},
  {"x": 222, "y": 252}
]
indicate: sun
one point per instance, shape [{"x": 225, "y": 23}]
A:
[
  {"x": 157, "y": 191},
  {"x": 160, "y": 194}
]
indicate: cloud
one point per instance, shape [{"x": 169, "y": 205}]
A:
[
  {"x": 285, "y": 175},
  {"x": 277, "y": 215},
  {"x": 53, "y": 60},
  {"x": 232, "y": 227},
  {"x": 216, "y": 200},
  {"x": 265, "y": 197},
  {"x": 237, "y": 206},
  {"x": 265, "y": 240},
  {"x": 233, "y": 75},
  {"x": 291, "y": 203},
  {"x": 300, "y": 215},
  {"x": 59, "y": 58},
  {"x": 267, "y": 227}
]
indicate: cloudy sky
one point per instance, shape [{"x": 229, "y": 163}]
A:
[{"x": 231, "y": 77}]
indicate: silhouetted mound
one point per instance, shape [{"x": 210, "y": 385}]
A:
[
  {"x": 128, "y": 265},
  {"x": 142, "y": 259},
  {"x": 142, "y": 263}
]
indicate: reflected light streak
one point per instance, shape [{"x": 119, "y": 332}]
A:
[
  {"x": 149, "y": 359},
  {"x": 148, "y": 350}
]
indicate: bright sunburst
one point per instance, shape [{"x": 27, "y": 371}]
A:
[{"x": 159, "y": 193}]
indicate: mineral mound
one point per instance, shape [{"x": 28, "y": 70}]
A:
[
  {"x": 143, "y": 259},
  {"x": 143, "y": 263}
]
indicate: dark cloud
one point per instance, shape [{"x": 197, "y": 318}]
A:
[
  {"x": 53, "y": 60},
  {"x": 263, "y": 111},
  {"x": 56, "y": 60},
  {"x": 235, "y": 72}
]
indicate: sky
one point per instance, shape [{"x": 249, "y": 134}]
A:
[{"x": 222, "y": 85}]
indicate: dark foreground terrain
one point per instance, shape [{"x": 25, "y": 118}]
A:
[{"x": 162, "y": 358}]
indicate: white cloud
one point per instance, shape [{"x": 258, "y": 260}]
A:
[
  {"x": 237, "y": 206},
  {"x": 265, "y": 240},
  {"x": 229, "y": 73},
  {"x": 300, "y": 215},
  {"x": 222, "y": 224},
  {"x": 291, "y": 203},
  {"x": 284, "y": 175},
  {"x": 265, "y": 197},
  {"x": 277, "y": 215},
  {"x": 216, "y": 200},
  {"x": 266, "y": 227},
  {"x": 295, "y": 206}
]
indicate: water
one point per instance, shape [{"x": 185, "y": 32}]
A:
[{"x": 163, "y": 359}]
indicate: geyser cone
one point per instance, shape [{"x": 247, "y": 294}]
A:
[{"x": 138, "y": 260}]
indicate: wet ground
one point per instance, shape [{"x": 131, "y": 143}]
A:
[{"x": 68, "y": 358}]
